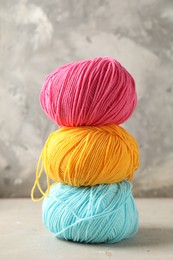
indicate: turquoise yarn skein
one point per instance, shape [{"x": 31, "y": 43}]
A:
[{"x": 96, "y": 214}]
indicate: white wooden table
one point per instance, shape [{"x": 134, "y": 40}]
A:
[{"x": 22, "y": 235}]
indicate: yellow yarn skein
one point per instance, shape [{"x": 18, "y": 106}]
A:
[{"x": 87, "y": 156}]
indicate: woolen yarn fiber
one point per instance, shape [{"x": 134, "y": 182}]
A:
[
  {"x": 99, "y": 91},
  {"x": 97, "y": 214},
  {"x": 90, "y": 161},
  {"x": 89, "y": 155}
]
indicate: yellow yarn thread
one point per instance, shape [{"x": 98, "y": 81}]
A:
[{"x": 87, "y": 156}]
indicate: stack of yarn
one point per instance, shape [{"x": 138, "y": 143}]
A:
[{"x": 90, "y": 161}]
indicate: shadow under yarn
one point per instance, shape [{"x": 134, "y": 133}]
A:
[{"x": 148, "y": 236}]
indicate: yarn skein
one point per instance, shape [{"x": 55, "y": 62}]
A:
[
  {"x": 88, "y": 155},
  {"x": 102, "y": 213},
  {"x": 99, "y": 91}
]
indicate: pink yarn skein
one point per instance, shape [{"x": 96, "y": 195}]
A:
[{"x": 92, "y": 92}]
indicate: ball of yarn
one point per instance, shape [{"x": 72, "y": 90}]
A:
[
  {"x": 92, "y": 92},
  {"x": 102, "y": 213},
  {"x": 89, "y": 155}
]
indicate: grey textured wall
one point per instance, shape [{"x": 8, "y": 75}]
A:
[{"x": 36, "y": 36}]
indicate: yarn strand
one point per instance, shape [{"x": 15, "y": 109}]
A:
[{"x": 39, "y": 172}]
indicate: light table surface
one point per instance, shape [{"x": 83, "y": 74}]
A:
[{"x": 22, "y": 235}]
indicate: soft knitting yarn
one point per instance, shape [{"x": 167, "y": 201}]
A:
[
  {"x": 102, "y": 213},
  {"x": 92, "y": 92},
  {"x": 89, "y": 155},
  {"x": 90, "y": 161}
]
